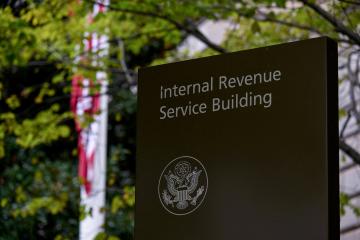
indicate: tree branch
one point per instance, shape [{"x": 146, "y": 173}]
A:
[
  {"x": 350, "y": 151},
  {"x": 353, "y": 76},
  {"x": 348, "y": 117},
  {"x": 266, "y": 18},
  {"x": 263, "y": 17},
  {"x": 338, "y": 25},
  {"x": 350, "y": 2},
  {"x": 188, "y": 28}
]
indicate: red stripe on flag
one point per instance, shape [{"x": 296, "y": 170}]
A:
[{"x": 86, "y": 157}]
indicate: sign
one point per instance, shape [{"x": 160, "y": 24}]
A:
[{"x": 242, "y": 145}]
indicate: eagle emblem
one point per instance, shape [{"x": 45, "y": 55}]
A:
[{"x": 183, "y": 185}]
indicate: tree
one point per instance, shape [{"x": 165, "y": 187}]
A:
[{"x": 40, "y": 44}]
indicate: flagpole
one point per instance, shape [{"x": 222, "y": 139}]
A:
[
  {"x": 93, "y": 200},
  {"x": 94, "y": 203}
]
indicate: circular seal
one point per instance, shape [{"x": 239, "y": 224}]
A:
[{"x": 183, "y": 185}]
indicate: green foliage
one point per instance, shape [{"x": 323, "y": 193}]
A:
[
  {"x": 345, "y": 202},
  {"x": 36, "y": 192},
  {"x": 127, "y": 200}
]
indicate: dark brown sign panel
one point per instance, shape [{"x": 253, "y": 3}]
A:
[{"x": 240, "y": 146}]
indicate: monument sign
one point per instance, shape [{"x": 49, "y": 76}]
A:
[{"x": 240, "y": 146}]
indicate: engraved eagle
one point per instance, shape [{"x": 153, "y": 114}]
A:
[{"x": 181, "y": 185}]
